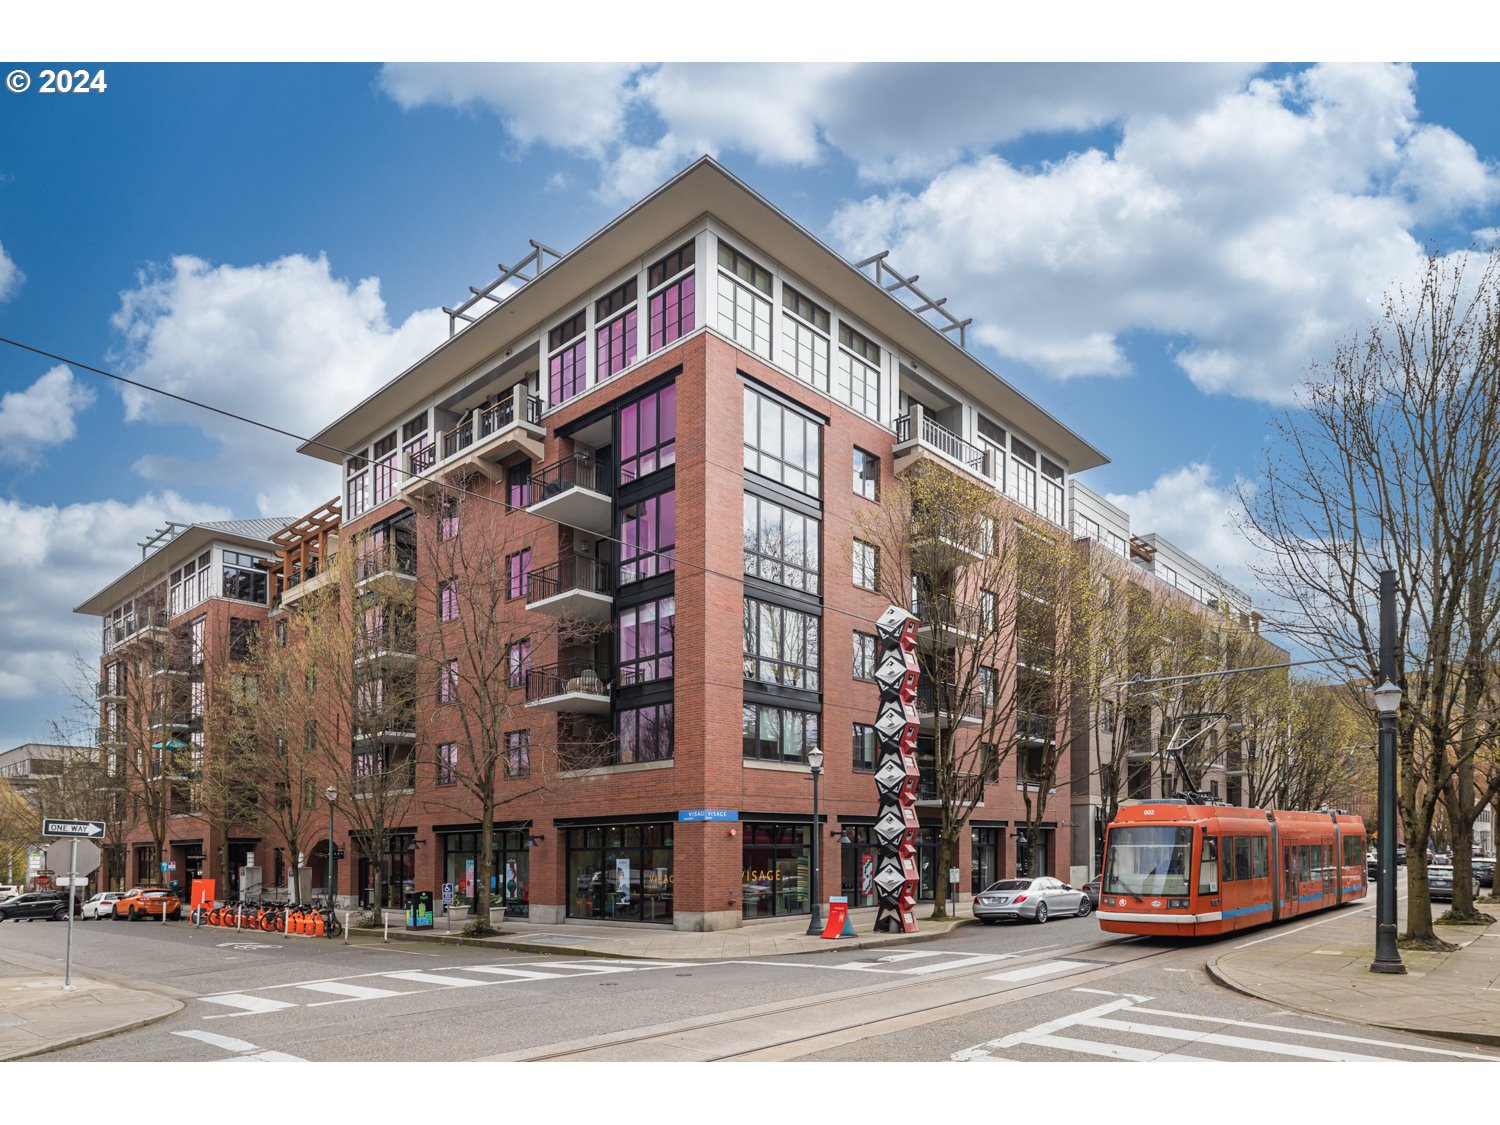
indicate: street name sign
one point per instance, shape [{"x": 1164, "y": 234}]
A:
[{"x": 88, "y": 829}]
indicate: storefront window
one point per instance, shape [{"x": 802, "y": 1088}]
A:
[
  {"x": 858, "y": 861},
  {"x": 777, "y": 862},
  {"x": 510, "y": 871},
  {"x": 621, "y": 872},
  {"x": 984, "y": 858}
]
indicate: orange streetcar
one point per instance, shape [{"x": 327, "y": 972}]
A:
[
  {"x": 1175, "y": 868},
  {"x": 145, "y": 902}
]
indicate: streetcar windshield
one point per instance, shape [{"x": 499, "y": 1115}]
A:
[{"x": 1148, "y": 860}]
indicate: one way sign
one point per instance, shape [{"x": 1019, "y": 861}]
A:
[{"x": 85, "y": 828}]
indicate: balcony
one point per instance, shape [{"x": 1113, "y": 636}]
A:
[
  {"x": 967, "y": 787},
  {"x": 943, "y": 623},
  {"x": 110, "y": 736},
  {"x": 577, "y": 587},
  {"x": 576, "y": 686},
  {"x": 484, "y": 438},
  {"x": 574, "y": 491},
  {"x": 146, "y": 627},
  {"x": 1032, "y": 727},
  {"x": 957, "y": 710},
  {"x": 919, "y": 436},
  {"x": 387, "y": 642},
  {"x": 170, "y": 721},
  {"x": 107, "y": 692}
]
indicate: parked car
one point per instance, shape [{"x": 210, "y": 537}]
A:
[
  {"x": 8, "y": 890},
  {"x": 1484, "y": 870},
  {"x": 1091, "y": 888},
  {"x": 1035, "y": 900},
  {"x": 34, "y": 905},
  {"x": 102, "y": 905},
  {"x": 143, "y": 902},
  {"x": 1440, "y": 882}
]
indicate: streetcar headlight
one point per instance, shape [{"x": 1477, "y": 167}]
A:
[{"x": 1177, "y": 904}]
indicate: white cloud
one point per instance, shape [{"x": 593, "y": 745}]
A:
[
  {"x": 1189, "y": 507},
  {"x": 56, "y": 557},
  {"x": 41, "y": 415},
  {"x": 1254, "y": 232},
  {"x": 10, "y": 275},
  {"x": 285, "y": 343},
  {"x": 578, "y": 107}
]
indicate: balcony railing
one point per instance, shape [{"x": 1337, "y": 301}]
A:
[
  {"x": 106, "y": 690},
  {"x": 948, "y": 617},
  {"x": 956, "y": 708},
  {"x": 503, "y": 414},
  {"x": 967, "y": 786},
  {"x": 152, "y": 620},
  {"x": 387, "y": 640},
  {"x": 575, "y": 573},
  {"x": 1035, "y": 727},
  {"x": 942, "y": 440},
  {"x": 567, "y": 677},
  {"x": 581, "y": 470}
]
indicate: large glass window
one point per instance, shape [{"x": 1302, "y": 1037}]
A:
[
  {"x": 669, "y": 303},
  {"x": 356, "y": 497},
  {"x": 384, "y": 455},
  {"x": 567, "y": 355},
  {"x": 744, "y": 313},
  {"x": 984, "y": 858},
  {"x": 615, "y": 334},
  {"x": 866, "y": 565},
  {"x": 518, "y": 571},
  {"x": 643, "y": 734},
  {"x": 518, "y": 657},
  {"x": 621, "y": 872},
  {"x": 645, "y": 641},
  {"x": 510, "y": 869},
  {"x": 865, "y": 747},
  {"x": 447, "y": 763},
  {"x": 189, "y": 584},
  {"x": 856, "y": 381},
  {"x": 866, "y": 474},
  {"x": 244, "y": 578},
  {"x": 648, "y": 434},
  {"x": 804, "y": 338},
  {"x": 416, "y": 447},
  {"x": 781, "y": 545},
  {"x": 782, "y": 444},
  {"x": 1148, "y": 860},
  {"x": 518, "y": 753},
  {"x": 777, "y": 868},
  {"x": 648, "y": 535},
  {"x": 518, "y": 484},
  {"x": 780, "y": 645},
  {"x": 864, "y": 656},
  {"x": 777, "y": 734},
  {"x": 1022, "y": 473},
  {"x": 1052, "y": 491}
]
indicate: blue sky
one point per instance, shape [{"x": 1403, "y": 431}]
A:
[{"x": 1155, "y": 253}]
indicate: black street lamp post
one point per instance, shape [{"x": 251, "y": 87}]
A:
[
  {"x": 333, "y": 795},
  {"x": 1387, "y": 701},
  {"x": 815, "y": 923}
]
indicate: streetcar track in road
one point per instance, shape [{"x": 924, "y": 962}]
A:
[{"x": 898, "y": 985}]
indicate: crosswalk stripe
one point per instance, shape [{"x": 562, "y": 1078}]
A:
[
  {"x": 1056, "y": 1025},
  {"x": 506, "y": 971},
  {"x": 224, "y": 1042},
  {"x": 1452, "y": 1054},
  {"x": 956, "y": 963},
  {"x": 249, "y": 1004},
  {"x": 1089, "y": 1047},
  {"x": 434, "y": 978},
  {"x": 350, "y": 991},
  {"x": 1046, "y": 968},
  {"x": 1265, "y": 1046}
]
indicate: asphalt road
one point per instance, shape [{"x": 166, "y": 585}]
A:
[{"x": 1020, "y": 992}]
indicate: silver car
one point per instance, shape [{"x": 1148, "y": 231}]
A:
[
  {"x": 1440, "y": 882},
  {"x": 1035, "y": 900}
]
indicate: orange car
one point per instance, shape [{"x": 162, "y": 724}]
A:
[{"x": 142, "y": 902}]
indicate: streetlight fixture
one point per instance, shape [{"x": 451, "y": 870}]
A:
[
  {"x": 1387, "y": 699},
  {"x": 815, "y": 922},
  {"x": 333, "y": 795}
]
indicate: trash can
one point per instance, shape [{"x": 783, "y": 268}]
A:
[{"x": 419, "y": 910}]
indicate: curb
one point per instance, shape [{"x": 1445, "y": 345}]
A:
[
  {"x": 91, "y": 1036},
  {"x": 1476, "y": 1037},
  {"x": 524, "y": 946}
]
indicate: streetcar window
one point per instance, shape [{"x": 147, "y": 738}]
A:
[
  {"x": 1208, "y": 867},
  {"x": 1260, "y": 858},
  {"x": 1148, "y": 859},
  {"x": 1242, "y": 857},
  {"x": 1226, "y": 866},
  {"x": 1354, "y": 850}
]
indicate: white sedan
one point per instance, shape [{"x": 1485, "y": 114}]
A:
[{"x": 102, "y": 905}]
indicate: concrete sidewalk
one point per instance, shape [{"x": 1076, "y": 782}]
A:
[
  {"x": 1322, "y": 967},
  {"x": 37, "y": 1015}
]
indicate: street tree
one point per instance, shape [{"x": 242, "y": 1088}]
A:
[
  {"x": 1388, "y": 461},
  {"x": 947, "y": 547}
]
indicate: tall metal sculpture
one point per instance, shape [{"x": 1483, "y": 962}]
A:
[{"x": 896, "y": 772}]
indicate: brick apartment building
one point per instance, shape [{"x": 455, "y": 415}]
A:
[{"x": 663, "y": 442}]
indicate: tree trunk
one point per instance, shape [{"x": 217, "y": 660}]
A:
[{"x": 484, "y": 861}]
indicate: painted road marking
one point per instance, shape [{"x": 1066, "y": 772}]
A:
[
  {"x": 348, "y": 991},
  {"x": 1046, "y": 968},
  {"x": 251, "y": 1005},
  {"x": 213, "y": 1040},
  {"x": 434, "y": 978}
]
